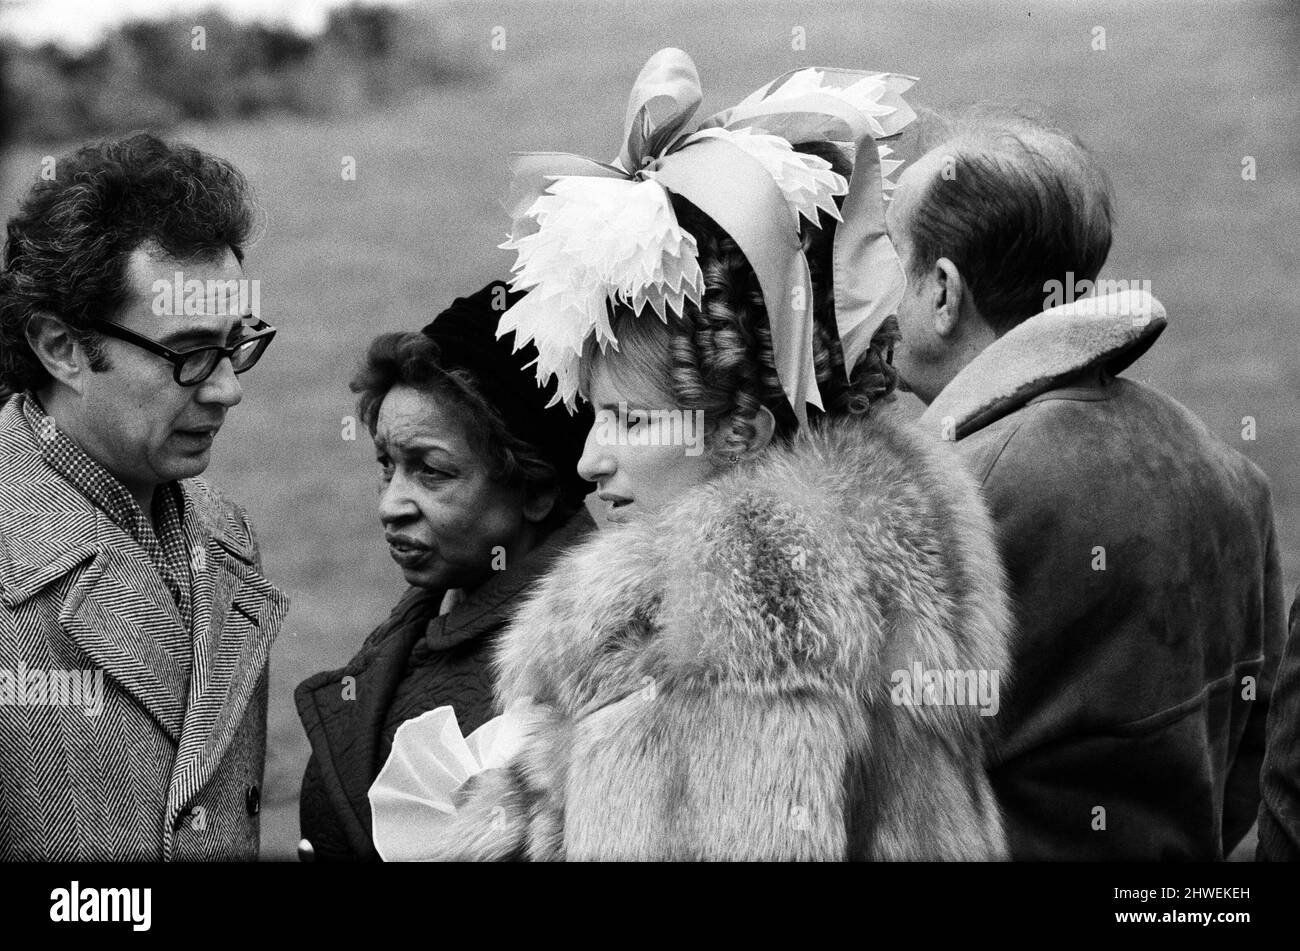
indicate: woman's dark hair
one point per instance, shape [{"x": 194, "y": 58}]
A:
[
  {"x": 414, "y": 359},
  {"x": 719, "y": 358},
  {"x": 67, "y": 249}
]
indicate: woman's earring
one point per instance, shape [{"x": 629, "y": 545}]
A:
[{"x": 733, "y": 458}]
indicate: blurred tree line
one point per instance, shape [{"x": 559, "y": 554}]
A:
[{"x": 156, "y": 73}]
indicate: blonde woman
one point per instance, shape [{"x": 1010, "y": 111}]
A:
[{"x": 729, "y": 670}]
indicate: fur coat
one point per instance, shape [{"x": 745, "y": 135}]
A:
[{"x": 723, "y": 678}]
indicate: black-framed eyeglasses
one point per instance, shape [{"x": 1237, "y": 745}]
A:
[{"x": 192, "y": 367}]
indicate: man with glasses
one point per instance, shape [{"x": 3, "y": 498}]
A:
[{"x": 135, "y": 622}]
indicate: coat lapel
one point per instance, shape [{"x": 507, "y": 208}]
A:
[
  {"x": 116, "y": 609},
  {"x": 236, "y": 615},
  {"x": 121, "y": 628}
]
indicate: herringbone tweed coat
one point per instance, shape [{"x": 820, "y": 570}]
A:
[
  {"x": 723, "y": 676},
  {"x": 169, "y": 770}
]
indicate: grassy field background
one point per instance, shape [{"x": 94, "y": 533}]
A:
[{"x": 1182, "y": 92}]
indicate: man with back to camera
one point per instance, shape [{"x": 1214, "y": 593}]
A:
[{"x": 1140, "y": 550}]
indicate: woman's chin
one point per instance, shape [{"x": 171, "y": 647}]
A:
[
  {"x": 437, "y": 577},
  {"x": 423, "y": 576}
]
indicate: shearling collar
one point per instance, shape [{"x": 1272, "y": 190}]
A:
[{"x": 1109, "y": 332}]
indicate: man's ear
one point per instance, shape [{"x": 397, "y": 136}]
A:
[
  {"x": 949, "y": 297},
  {"x": 539, "y": 501},
  {"x": 56, "y": 348}
]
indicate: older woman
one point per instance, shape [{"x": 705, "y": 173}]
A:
[
  {"x": 479, "y": 494},
  {"x": 759, "y": 659}
]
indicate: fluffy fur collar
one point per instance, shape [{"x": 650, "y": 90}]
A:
[
  {"x": 1109, "y": 331},
  {"x": 728, "y": 664},
  {"x": 807, "y": 565}
]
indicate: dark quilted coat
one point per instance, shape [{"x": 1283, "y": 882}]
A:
[{"x": 413, "y": 662}]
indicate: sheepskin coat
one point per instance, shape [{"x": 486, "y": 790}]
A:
[
  {"x": 724, "y": 679},
  {"x": 1279, "y": 807},
  {"x": 1142, "y": 564}
]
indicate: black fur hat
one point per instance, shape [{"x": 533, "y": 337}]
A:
[{"x": 466, "y": 337}]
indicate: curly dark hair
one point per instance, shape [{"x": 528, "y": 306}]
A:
[
  {"x": 67, "y": 249},
  {"x": 413, "y": 359},
  {"x": 718, "y": 358}
]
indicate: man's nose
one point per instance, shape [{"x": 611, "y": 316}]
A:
[{"x": 222, "y": 387}]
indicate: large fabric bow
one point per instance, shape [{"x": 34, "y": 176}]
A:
[{"x": 589, "y": 234}]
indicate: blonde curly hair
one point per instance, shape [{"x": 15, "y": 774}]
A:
[{"x": 718, "y": 357}]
